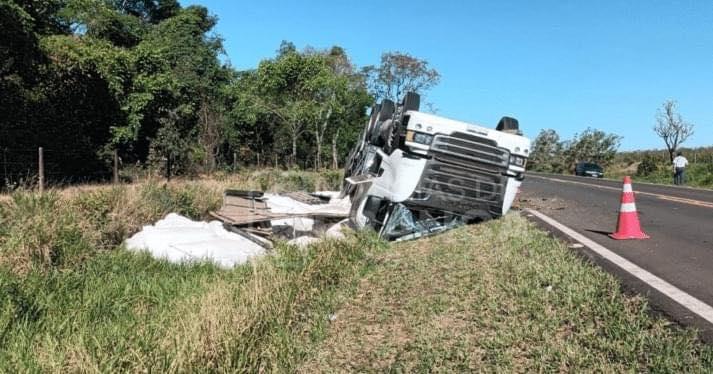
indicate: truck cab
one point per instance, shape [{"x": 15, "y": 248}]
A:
[{"x": 414, "y": 174}]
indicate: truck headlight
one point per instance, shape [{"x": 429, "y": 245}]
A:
[
  {"x": 518, "y": 160},
  {"x": 419, "y": 137}
]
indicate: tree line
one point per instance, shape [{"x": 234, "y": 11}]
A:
[
  {"x": 550, "y": 154},
  {"x": 553, "y": 155},
  {"x": 144, "y": 78}
]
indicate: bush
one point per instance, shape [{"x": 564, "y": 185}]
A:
[
  {"x": 647, "y": 166},
  {"x": 39, "y": 231},
  {"x": 52, "y": 231},
  {"x": 332, "y": 180},
  {"x": 295, "y": 180}
]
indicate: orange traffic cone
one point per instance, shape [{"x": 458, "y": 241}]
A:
[{"x": 628, "y": 226}]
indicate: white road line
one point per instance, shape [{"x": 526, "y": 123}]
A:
[{"x": 696, "y": 306}]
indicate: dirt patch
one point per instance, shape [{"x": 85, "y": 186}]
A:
[{"x": 541, "y": 203}]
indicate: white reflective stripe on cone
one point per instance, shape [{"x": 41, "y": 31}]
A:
[
  {"x": 628, "y": 207},
  {"x": 627, "y": 188}
]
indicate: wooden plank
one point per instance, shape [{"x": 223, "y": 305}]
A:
[
  {"x": 252, "y": 237},
  {"x": 304, "y": 197}
]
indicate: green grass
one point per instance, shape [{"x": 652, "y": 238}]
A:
[
  {"x": 71, "y": 300},
  {"x": 126, "y": 312},
  {"x": 697, "y": 174},
  {"x": 502, "y": 297},
  {"x": 655, "y": 166}
]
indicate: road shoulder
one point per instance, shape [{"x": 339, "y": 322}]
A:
[
  {"x": 505, "y": 296},
  {"x": 665, "y": 299}
]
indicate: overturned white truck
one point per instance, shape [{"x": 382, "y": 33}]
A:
[{"x": 413, "y": 174}]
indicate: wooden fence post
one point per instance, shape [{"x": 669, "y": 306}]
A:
[
  {"x": 41, "y": 167},
  {"x": 116, "y": 166},
  {"x": 235, "y": 161},
  {"x": 4, "y": 163}
]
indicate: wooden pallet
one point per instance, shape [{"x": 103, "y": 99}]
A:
[{"x": 241, "y": 211}]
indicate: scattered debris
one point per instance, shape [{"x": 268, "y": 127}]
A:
[
  {"x": 180, "y": 240},
  {"x": 298, "y": 217},
  {"x": 306, "y": 198},
  {"x": 411, "y": 175}
]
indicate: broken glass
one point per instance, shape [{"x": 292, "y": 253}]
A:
[{"x": 404, "y": 223}]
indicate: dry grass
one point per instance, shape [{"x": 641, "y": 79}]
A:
[
  {"x": 261, "y": 317},
  {"x": 64, "y": 227},
  {"x": 70, "y": 302},
  {"x": 494, "y": 297},
  {"x": 498, "y": 297}
]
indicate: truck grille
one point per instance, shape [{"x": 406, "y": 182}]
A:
[
  {"x": 474, "y": 150},
  {"x": 465, "y": 173}
]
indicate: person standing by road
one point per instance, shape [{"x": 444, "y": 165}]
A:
[{"x": 679, "y": 167}]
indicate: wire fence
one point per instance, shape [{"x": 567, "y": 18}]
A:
[{"x": 38, "y": 167}]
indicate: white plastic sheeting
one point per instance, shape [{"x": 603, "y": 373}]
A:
[
  {"x": 333, "y": 232},
  {"x": 179, "y": 239},
  {"x": 285, "y": 204}
]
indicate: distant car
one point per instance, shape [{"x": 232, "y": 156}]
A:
[{"x": 588, "y": 169}]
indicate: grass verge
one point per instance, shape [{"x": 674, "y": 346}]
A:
[
  {"x": 503, "y": 297},
  {"x": 126, "y": 312},
  {"x": 72, "y": 300},
  {"x": 499, "y": 296}
]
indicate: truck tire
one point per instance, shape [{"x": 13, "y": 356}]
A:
[
  {"x": 373, "y": 119},
  {"x": 391, "y": 137},
  {"x": 508, "y": 124},
  {"x": 387, "y": 110},
  {"x": 411, "y": 101},
  {"x": 374, "y": 111},
  {"x": 384, "y": 131}
]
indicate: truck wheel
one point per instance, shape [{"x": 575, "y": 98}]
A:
[
  {"x": 387, "y": 110},
  {"x": 391, "y": 138},
  {"x": 508, "y": 124},
  {"x": 374, "y": 110},
  {"x": 375, "y": 138},
  {"x": 411, "y": 101}
]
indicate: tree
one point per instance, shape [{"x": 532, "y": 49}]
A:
[
  {"x": 85, "y": 77},
  {"x": 172, "y": 140},
  {"x": 671, "y": 127},
  {"x": 399, "y": 73},
  {"x": 337, "y": 89},
  {"x": 547, "y": 152},
  {"x": 591, "y": 146}
]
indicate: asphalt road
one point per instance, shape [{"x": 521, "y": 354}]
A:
[{"x": 679, "y": 221}]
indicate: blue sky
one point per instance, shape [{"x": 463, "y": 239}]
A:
[{"x": 564, "y": 65}]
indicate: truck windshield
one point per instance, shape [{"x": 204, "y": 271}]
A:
[{"x": 404, "y": 223}]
